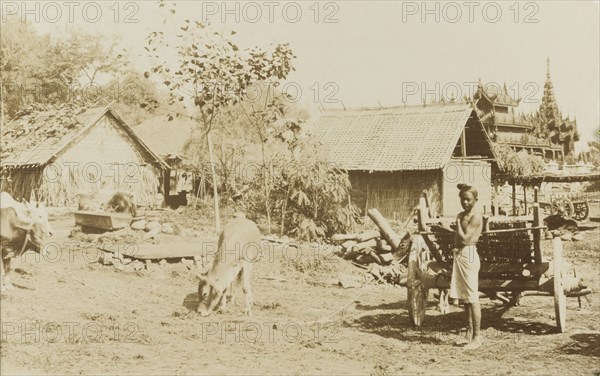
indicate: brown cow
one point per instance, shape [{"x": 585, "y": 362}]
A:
[{"x": 239, "y": 246}]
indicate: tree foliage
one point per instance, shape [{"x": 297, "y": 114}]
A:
[
  {"x": 90, "y": 69},
  {"x": 309, "y": 196},
  {"x": 212, "y": 74}
]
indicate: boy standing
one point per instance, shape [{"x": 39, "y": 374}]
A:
[{"x": 464, "y": 284}]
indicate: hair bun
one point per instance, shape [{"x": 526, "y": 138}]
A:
[{"x": 461, "y": 186}]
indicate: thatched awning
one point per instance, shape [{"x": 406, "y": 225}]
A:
[{"x": 554, "y": 178}]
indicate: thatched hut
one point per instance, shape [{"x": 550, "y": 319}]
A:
[
  {"x": 394, "y": 154},
  {"x": 168, "y": 139},
  {"x": 60, "y": 153}
]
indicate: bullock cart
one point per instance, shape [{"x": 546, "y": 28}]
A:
[
  {"x": 566, "y": 203},
  {"x": 571, "y": 205},
  {"x": 511, "y": 263}
]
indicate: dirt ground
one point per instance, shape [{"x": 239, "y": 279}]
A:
[{"x": 71, "y": 315}]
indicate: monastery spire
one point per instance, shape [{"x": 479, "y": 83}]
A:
[{"x": 549, "y": 113}]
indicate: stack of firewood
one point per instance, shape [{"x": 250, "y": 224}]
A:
[
  {"x": 365, "y": 247},
  {"x": 382, "y": 253}
]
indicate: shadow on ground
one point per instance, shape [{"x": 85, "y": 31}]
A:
[
  {"x": 587, "y": 344},
  {"x": 191, "y": 301},
  {"x": 440, "y": 328}
]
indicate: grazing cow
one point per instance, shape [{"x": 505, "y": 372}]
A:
[
  {"x": 22, "y": 227},
  {"x": 239, "y": 245}
]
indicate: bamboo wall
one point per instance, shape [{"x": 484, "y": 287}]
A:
[
  {"x": 394, "y": 194},
  {"x": 22, "y": 183}
]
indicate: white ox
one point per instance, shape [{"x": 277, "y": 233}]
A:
[{"x": 23, "y": 226}]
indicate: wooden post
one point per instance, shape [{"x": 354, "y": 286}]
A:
[
  {"x": 428, "y": 203},
  {"x": 514, "y": 199},
  {"x": 423, "y": 211},
  {"x": 525, "y": 197},
  {"x": 537, "y": 233},
  {"x": 463, "y": 144},
  {"x": 167, "y": 187},
  {"x": 486, "y": 224},
  {"x": 367, "y": 203}
]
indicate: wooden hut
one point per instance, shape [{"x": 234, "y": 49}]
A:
[
  {"x": 394, "y": 154},
  {"x": 60, "y": 153},
  {"x": 168, "y": 139}
]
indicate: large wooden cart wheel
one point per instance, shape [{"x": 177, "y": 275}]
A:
[
  {"x": 560, "y": 302},
  {"x": 563, "y": 206},
  {"x": 581, "y": 211},
  {"x": 416, "y": 291}
]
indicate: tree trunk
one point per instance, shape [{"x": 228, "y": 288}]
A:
[
  {"x": 214, "y": 179},
  {"x": 387, "y": 232},
  {"x": 283, "y": 210},
  {"x": 267, "y": 197}
]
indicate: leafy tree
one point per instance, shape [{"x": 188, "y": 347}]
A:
[
  {"x": 37, "y": 69},
  {"x": 134, "y": 96},
  {"x": 212, "y": 74},
  {"x": 311, "y": 194},
  {"x": 20, "y": 51}
]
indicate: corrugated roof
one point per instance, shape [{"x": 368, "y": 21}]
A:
[
  {"x": 36, "y": 138},
  {"x": 393, "y": 139}
]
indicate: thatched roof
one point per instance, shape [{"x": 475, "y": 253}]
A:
[
  {"x": 37, "y": 138},
  {"x": 394, "y": 139}
]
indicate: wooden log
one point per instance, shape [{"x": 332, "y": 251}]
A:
[
  {"x": 340, "y": 238},
  {"x": 374, "y": 256},
  {"x": 367, "y": 235},
  {"x": 386, "y": 258},
  {"x": 364, "y": 245},
  {"x": 368, "y": 256},
  {"x": 348, "y": 244},
  {"x": 151, "y": 234},
  {"x": 350, "y": 254},
  {"x": 387, "y": 232},
  {"x": 383, "y": 246}
]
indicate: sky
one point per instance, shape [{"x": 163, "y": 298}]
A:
[{"x": 359, "y": 53}]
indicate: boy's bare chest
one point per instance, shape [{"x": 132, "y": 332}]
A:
[{"x": 465, "y": 219}]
